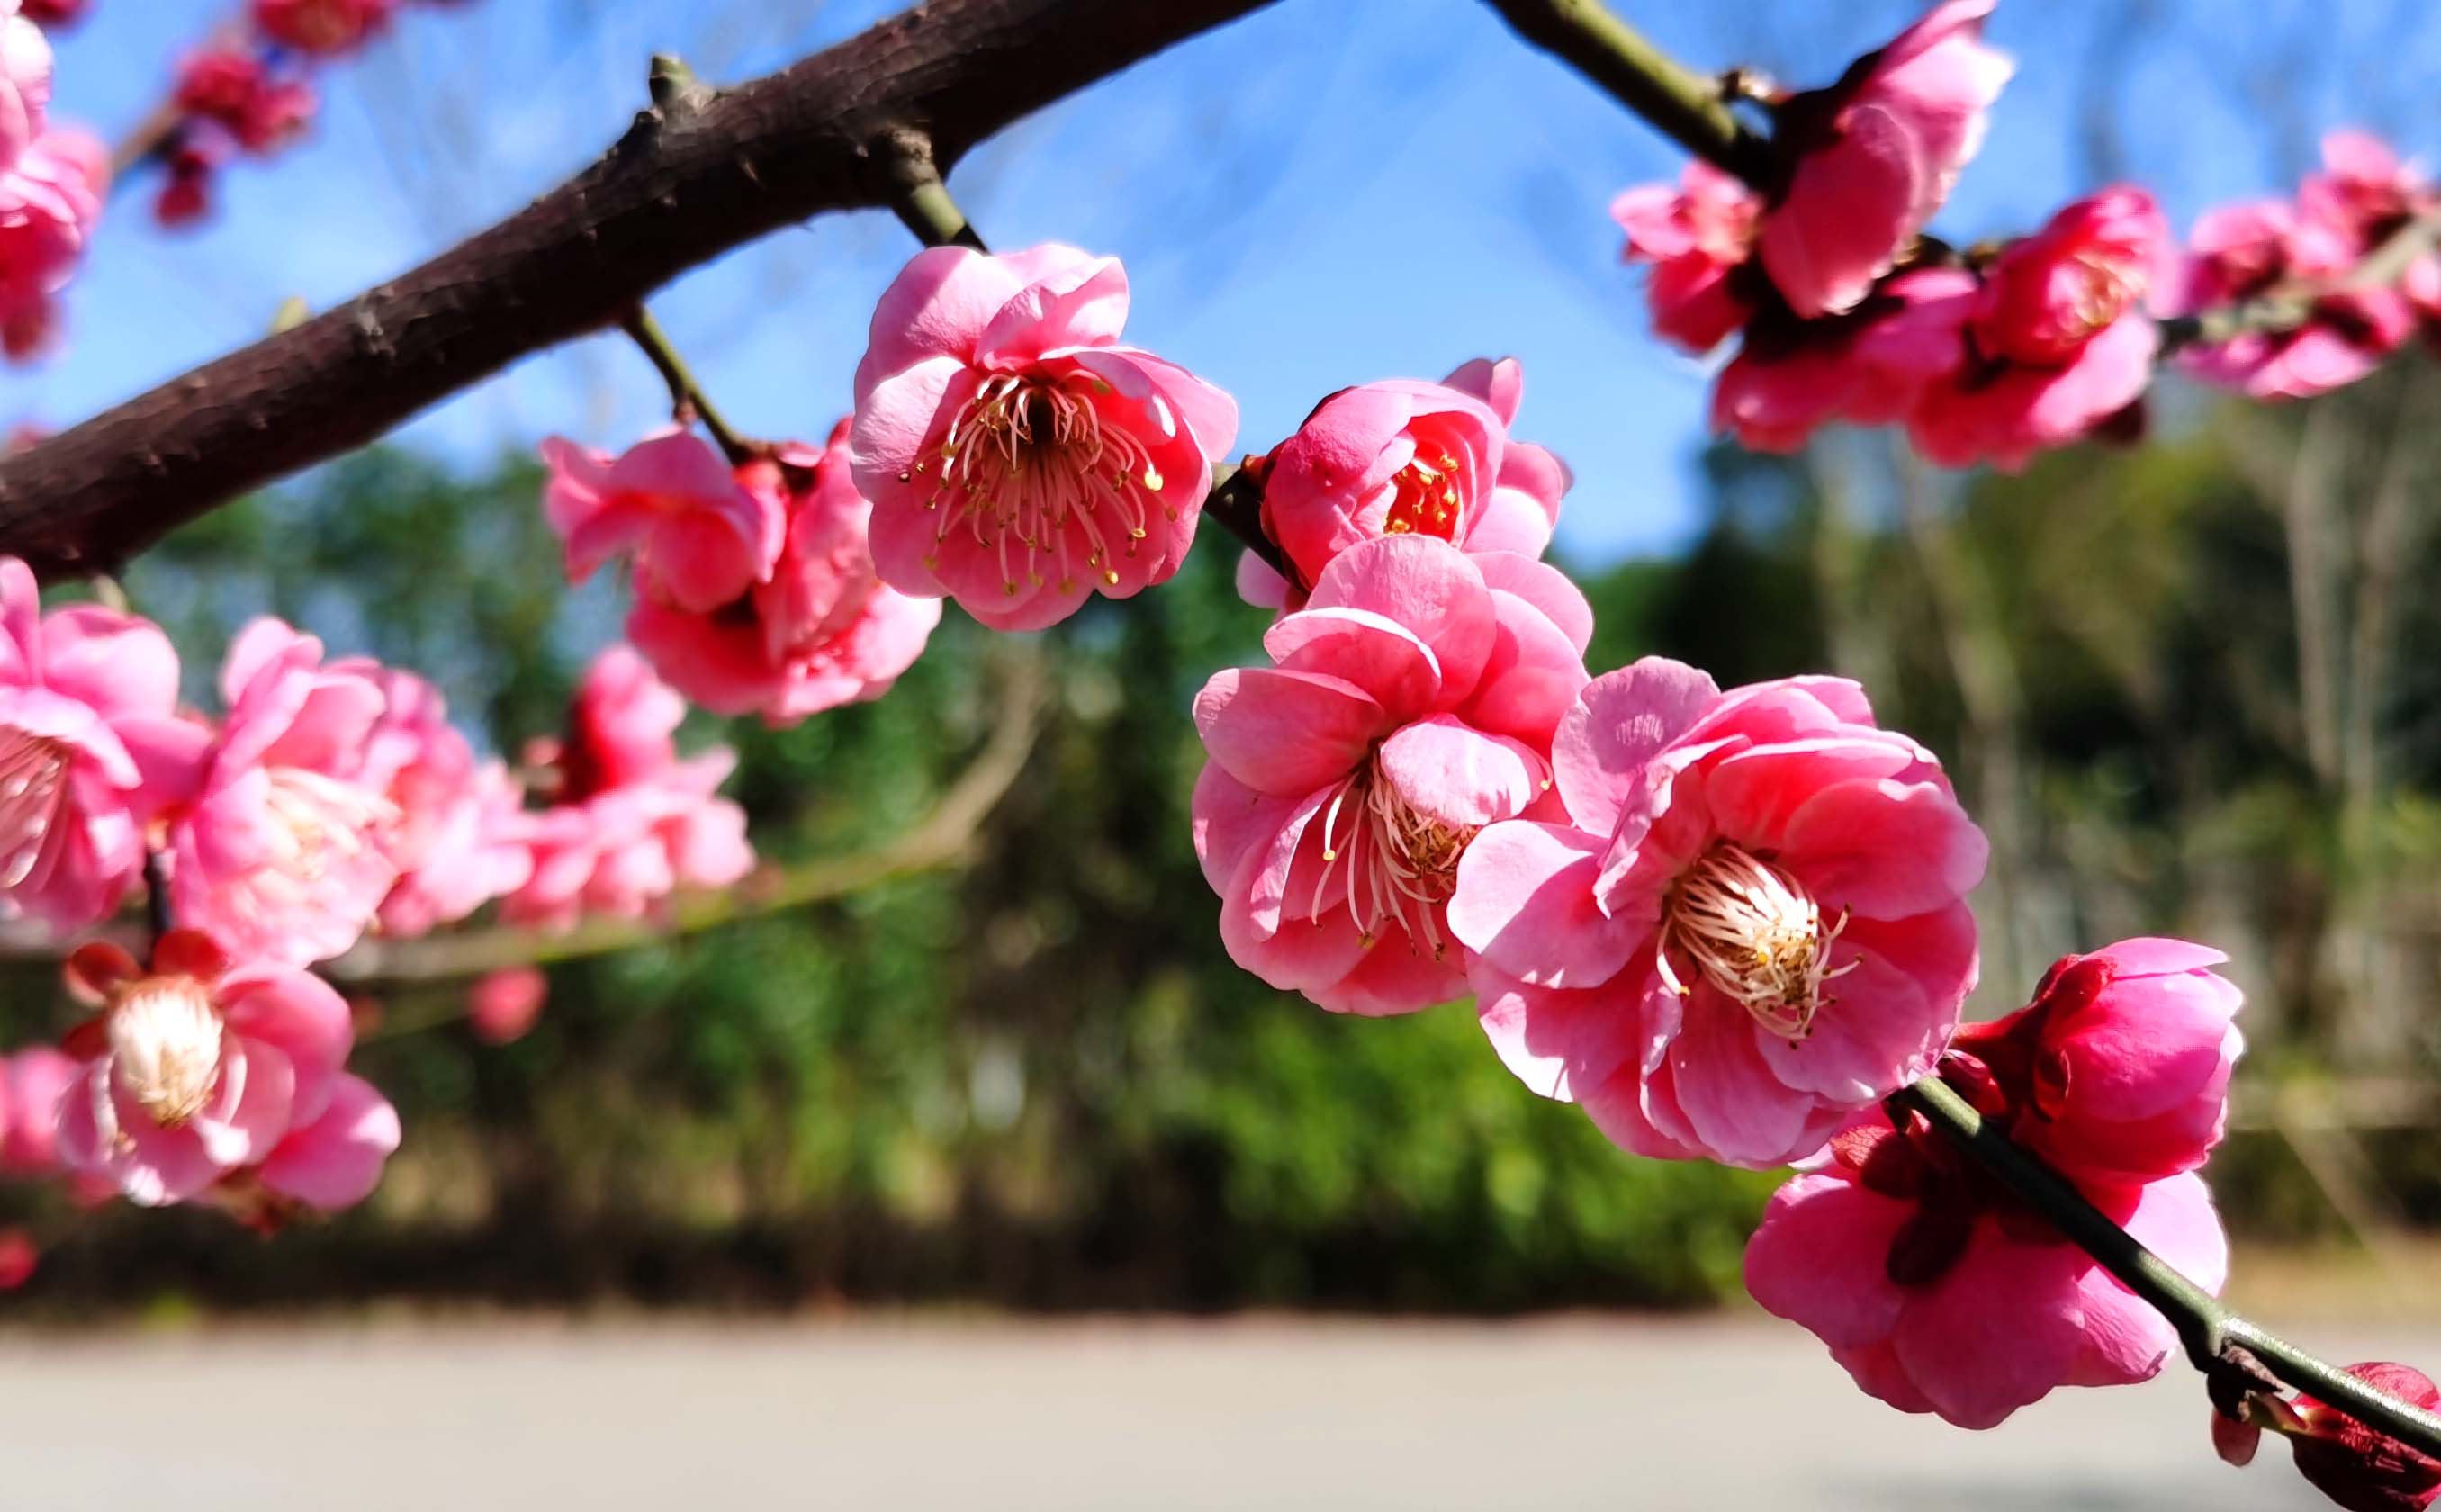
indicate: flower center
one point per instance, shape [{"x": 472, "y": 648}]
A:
[
  {"x": 1424, "y": 498},
  {"x": 1753, "y": 932},
  {"x": 165, "y": 1047},
  {"x": 318, "y": 823},
  {"x": 33, "y": 797},
  {"x": 1401, "y": 863},
  {"x": 1027, "y": 460}
]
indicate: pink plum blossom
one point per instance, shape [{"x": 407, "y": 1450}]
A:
[
  {"x": 55, "y": 13},
  {"x": 822, "y": 630},
  {"x": 1400, "y": 457},
  {"x": 1408, "y": 705},
  {"x": 2059, "y": 335},
  {"x": 196, "y": 1067},
  {"x": 86, "y": 700},
  {"x": 2358, "y": 1467},
  {"x": 1875, "y": 155},
  {"x": 1019, "y": 459},
  {"x": 633, "y": 823},
  {"x": 322, "y": 27},
  {"x": 32, "y": 1082},
  {"x": 1747, "y": 922},
  {"x": 458, "y": 835},
  {"x": 2308, "y": 251},
  {"x": 1698, "y": 238},
  {"x": 700, "y": 538},
  {"x": 502, "y": 1005},
  {"x": 2121, "y": 1062},
  {"x": 1870, "y": 367},
  {"x": 282, "y": 848},
  {"x": 1939, "y": 1292},
  {"x": 24, "y": 80},
  {"x": 50, "y": 199}
]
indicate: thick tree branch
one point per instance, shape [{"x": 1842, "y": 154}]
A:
[
  {"x": 1680, "y": 103},
  {"x": 698, "y": 175}
]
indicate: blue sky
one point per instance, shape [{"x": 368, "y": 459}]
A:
[{"x": 1328, "y": 192}]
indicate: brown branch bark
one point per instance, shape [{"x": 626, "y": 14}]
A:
[{"x": 696, "y": 176}]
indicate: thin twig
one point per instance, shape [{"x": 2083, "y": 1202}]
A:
[
  {"x": 943, "y": 838},
  {"x": 922, "y": 201},
  {"x": 2209, "y": 1330},
  {"x": 688, "y": 402},
  {"x": 1689, "y": 108}
]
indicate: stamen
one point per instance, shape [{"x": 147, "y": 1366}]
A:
[
  {"x": 1753, "y": 932},
  {"x": 1029, "y": 460},
  {"x": 165, "y": 1047},
  {"x": 33, "y": 806}
]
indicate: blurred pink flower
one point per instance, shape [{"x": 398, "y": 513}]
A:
[
  {"x": 2308, "y": 251},
  {"x": 322, "y": 27},
  {"x": 2119, "y": 1069},
  {"x": 334, "y": 1159},
  {"x": 1408, "y": 705},
  {"x": 86, "y": 701},
  {"x": 502, "y": 1005},
  {"x": 55, "y": 13},
  {"x": 196, "y": 1067},
  {"x": 25, "y": 80},
  {"x": 1019, "y": 459},
  {"x": 1696, "y": 237},
  {"x": 282, "y": 853},
  {"x": 32, "y": 1082},
  {"x": 632, "y": 822},
  {"x": 699, "y": 538},
  {"x": 459, "y": 835},
  {"x": 1870, "y": 367},
  {"x": 2060, "y": 338},
  {"x": 822, "y": 631},
  {"x": 1939, "y": 1292},
  {"x": 1748, "y": 921},
  {"x": 50, "y": 199},
  {"x": 1876, "y": 155}
]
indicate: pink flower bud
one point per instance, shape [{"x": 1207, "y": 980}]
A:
[{"x": 502, "y": 1005}]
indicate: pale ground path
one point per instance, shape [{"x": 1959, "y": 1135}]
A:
[{"x": 1569, "y": 1413}]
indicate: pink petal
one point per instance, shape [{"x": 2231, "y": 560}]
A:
[
  {"x": 1819, "y": 1260},
  {"x": 116, "y": 662},
  {"x": 1884, "y": 848},
  {"x": 1531, "y": 679},
  {"x": 2002, "y": 1328},
  {"x": 1393, "y": 976},
  {"x": 1080, "y": 304},
  {"x": 1754, "y": 792},
  {"x": 1604, "y": 746},
  {"x": 259, "y": 1116},
  {"x": 936, "y": 308},
  {"x": 1877, "y": 1031},
  {"x": 1425, "y": 584},
  {"x": 1524, "y": 903},
  {"x": 1376, "y": 654},
  {"x": 1544, "y": 587},
  {"x": 1231, "y": 819},
  {"x": 301, "y": 1014},
  {"x": 1737, "y": 1107},
  {"x": 1286, "y": 733},
  {"x": 1554, "y": 1040},
  {"x": 337, "y": 1161},
  {"x": 2152, "y": 956},
  {"x": 1459, "y": 775}
]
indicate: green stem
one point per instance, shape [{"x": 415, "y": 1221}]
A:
[
  {"x": 2210, "y": 1331},
  {"x": 922, "y": 200},
  {"x": 687, "y": 399},
  {"x": 1689, "y": 108}
]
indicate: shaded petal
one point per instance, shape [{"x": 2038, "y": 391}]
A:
[
  {"x": 1605, "y": 746},
  {"x": 1286, "y": 733}
]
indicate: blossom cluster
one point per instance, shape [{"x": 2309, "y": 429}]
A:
[
  {"x": 251, "y": 89},
  {"x": 755, "y": 590},
  {"x": 1845, "y": 310},
  {"x": 331, "y": 798},
  {"x": 52, "y": 183}
]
